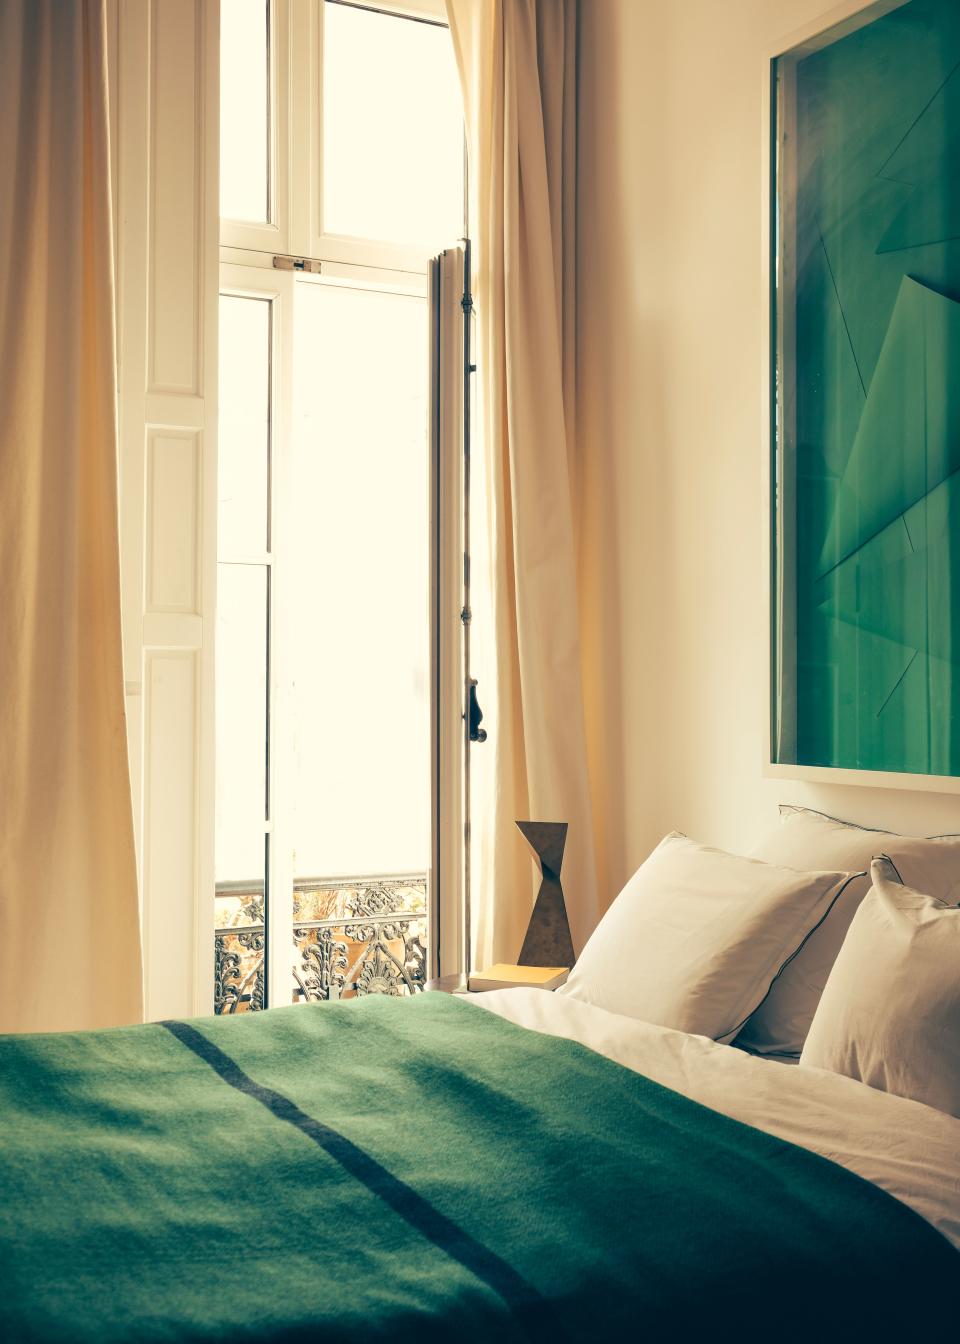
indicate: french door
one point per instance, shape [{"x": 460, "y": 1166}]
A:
[
  {"x": 327, "y": 135},
  {"x": 340, "y": 676}
]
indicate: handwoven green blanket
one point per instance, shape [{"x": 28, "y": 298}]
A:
[{"x": 419, "y": 1169}]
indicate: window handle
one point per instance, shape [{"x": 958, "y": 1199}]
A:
[{"x": 474, "y": 715}]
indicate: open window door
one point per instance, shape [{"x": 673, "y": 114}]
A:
[{"x": 455, "y": 712}]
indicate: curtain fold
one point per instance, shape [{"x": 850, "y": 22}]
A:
[
  {"x": 518, "y": 69},
  {"x": 69, "y": 911}
]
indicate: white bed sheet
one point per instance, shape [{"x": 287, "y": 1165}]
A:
[{"x": 909, "y": 1150}]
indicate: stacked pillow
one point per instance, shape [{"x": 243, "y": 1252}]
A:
[
  {"x": 697, "y": 936},
  {"x": 890, "y": 1012},
  {"x": 819, "y": 967},
  {"x": 805, "y": 839}
]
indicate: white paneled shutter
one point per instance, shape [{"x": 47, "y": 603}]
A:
[{"x": 166, "y": 138}]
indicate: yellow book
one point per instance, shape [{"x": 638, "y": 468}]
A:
[{"x": 504, "y": 976}]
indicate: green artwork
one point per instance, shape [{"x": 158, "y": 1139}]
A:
[{"x": 867, "y": 383}]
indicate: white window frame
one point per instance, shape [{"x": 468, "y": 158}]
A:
[
  {"x": 272, "y": 235},
  {"x": 275, "y": 287},
  {"x": 247, "y": 255},
  {"x": 256, "y": 278},
  {"x": 164, "y": 83},
  {"x": 296, "y": 147}
]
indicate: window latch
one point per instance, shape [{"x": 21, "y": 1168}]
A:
[
  {"x": 474, "y": 715},
  {"x": 296, "y": 264}
]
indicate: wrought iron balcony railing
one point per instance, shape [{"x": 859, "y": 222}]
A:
[{"x": 350, "y": 936}]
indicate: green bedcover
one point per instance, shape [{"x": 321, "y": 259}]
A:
[{"x": 399, "y": 1169}]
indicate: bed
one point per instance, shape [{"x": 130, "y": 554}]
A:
[
  {"x": 516, "y": 1165},
  {"x": 623, "y": 1157}
]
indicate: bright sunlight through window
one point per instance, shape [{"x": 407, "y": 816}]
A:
[
  {"x": 392, "y": 130},
  {"x": 244, "y": 110},
  {"x": 323, "y": 686}
]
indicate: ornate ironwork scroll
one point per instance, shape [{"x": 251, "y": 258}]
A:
[
  {"x": 366, "y": 937},
  {"x": 350, "y": 937},
  {"x": 239, "y": 941}
]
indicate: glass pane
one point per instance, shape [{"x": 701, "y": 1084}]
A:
[
  {"x": 239, "y": 938},
  {"x": 357, "y": 581},
  {"x": 238, "y": 984},
  {"x": 244, "y": 450},
  {"x": 244, "y": 110},
  {"x": 392, "y": 130},
  {"x": 241, "y": 691}
]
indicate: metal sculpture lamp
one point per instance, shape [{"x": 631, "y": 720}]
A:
[{"x": 548, "y": 941}]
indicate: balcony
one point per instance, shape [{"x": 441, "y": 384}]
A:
[{"x": 350, "y": 936}]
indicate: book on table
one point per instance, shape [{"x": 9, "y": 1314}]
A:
[{"x": 505, "y": 976}]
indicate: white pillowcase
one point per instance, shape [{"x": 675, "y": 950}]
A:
[
  {"x": 890, "y": 1014},
  {"x": 804, "y": 839},
  {"x": 696, "y": 936}
]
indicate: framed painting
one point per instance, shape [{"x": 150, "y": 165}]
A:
[{"x": 865, "y": 397}]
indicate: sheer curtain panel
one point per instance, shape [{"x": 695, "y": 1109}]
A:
[
  {"x": 518, "y": 70},
  {"x": 69, "y": 918}
]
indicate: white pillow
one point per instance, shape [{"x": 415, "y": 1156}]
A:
[
  {"x": 696, "y": 936},
  {"x": 804, "y": 839},
  {"x": 890, "y": 1014}
]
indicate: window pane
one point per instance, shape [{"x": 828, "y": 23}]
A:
[
  {"x": 239, "y": 941},
  {"x": 358, "y": 580},
  {"x": 241, "y": 691},
  {"x": 392, "y": 130},
  {"x": 244, "y": 110},
  {"x": 244, "y": 451}
]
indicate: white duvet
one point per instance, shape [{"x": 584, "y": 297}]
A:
[{"x": 909, "y": 1150}]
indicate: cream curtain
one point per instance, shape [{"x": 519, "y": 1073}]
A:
[
  {"x": 518, "y": 70},
  {"x": 69, "y": 918}
]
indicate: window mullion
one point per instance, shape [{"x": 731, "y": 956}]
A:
[{"x": 280, "y": 908}]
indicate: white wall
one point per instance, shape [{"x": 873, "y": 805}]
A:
[{"x": 673, "y": 582}]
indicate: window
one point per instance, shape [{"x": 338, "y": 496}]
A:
[
  {"x": 245, "y": 110},
  {"x": 358, "y": 576},
  {"x": 242, "y": 840},
  {"x": 392, "y": 129},
  {"x": 323, "y": 681}
]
